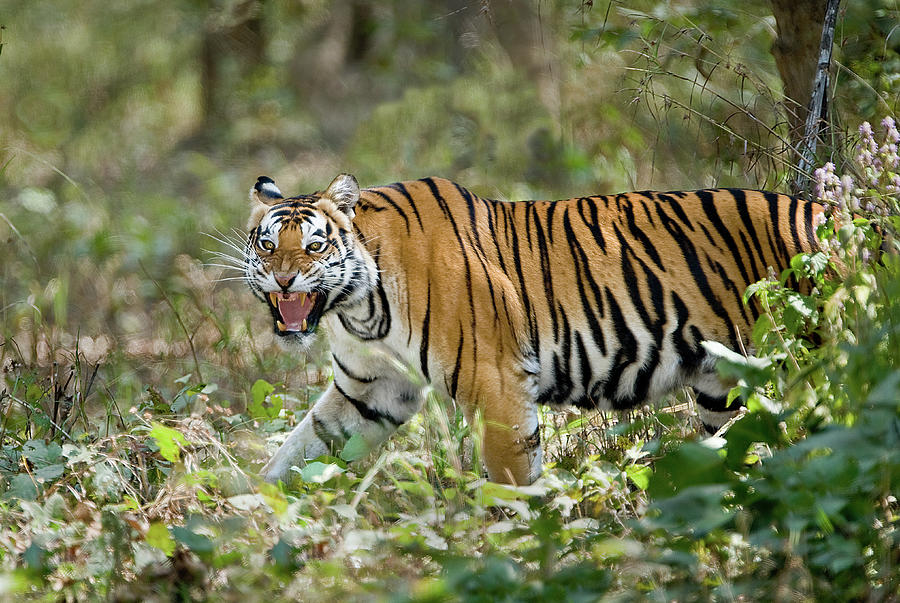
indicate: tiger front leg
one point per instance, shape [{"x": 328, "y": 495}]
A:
[{"x": 334, "y": 418}]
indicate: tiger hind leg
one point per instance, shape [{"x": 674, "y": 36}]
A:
[{"x": 511, "y": 439}]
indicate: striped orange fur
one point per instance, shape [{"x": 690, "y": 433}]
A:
[{"x": 599, "y": 302}]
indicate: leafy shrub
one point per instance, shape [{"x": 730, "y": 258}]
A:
[{"x": 802, "y": 491}]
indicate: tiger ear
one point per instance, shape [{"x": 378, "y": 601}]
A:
[
  {"x": 265, "y": 191},
  {"x": 344, "y": 192}
]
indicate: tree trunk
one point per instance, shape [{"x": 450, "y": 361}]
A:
[{"x": 796, "y": 50}]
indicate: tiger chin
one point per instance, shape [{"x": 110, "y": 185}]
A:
[{"x": 601, "y": 302}]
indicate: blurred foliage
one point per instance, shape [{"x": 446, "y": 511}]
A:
[{"x": 141, "y": 388}]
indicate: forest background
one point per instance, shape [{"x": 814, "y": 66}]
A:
[{"x": 141, "y": 387}]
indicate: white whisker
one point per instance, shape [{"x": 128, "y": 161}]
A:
[
  {"x": 226, "y": 266},
  {"x": 230, "y": 278},
  {"x": 223, "y": 257}
]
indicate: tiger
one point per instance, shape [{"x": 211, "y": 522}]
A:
[{"x": 599, "y": 302}]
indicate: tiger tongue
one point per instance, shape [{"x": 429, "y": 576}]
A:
[{"x": 294, "y": 309}]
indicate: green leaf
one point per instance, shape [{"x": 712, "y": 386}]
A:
[
  {"x": 697, "y": 511},
  {"x": 42, "y": 454},
  {"x": 35, "y": 556},
  {"x": 760, "y": 426},
  {"x": 355, "y": 448},
  {"x": 264, "y": 404},
  {"x": 319, "y": 473},
  {"x": 168, "y": 440},
  {"x": 158, "y": 537},
  {"x": 752, "y": 289},
  {"x": 640, "y": 475},
  {"x": 21, "y": 486},
  {"x": 50, "y": 472},
  {"x": 688, "y": 465},
  {"x": 198, "y": 543},
  {"x": 274, "y": 498},
  {"x": 818, "y": 262},
  {"x": 761, "y": 328}
]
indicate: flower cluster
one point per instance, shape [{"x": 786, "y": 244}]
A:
[
  {"x": 877, "y": 166},
  {"x": 874, "y": 193}
]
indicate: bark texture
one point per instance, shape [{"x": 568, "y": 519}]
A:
[{"x": 796, "y": 50}]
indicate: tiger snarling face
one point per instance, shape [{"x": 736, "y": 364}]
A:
[{"x": 302, "y": 257}]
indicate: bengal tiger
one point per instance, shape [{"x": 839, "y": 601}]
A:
[{"x": 600, "y": 302}]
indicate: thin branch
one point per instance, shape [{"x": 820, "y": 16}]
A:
[{"x": 816, "y": 114}]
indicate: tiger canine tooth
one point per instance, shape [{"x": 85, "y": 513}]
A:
[
  {"x": 303, "y": 325},
  {"x": 281, "y": 326},
  {"x": 303, "y": 299}
]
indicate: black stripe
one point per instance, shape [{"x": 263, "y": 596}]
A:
[
  {"x": 758, "y": 267},
  {"x": 795, "y": 232},
  {"x": 736, "y": 291},
  {"x": 401, "y": 188},
  {"x": 442, "y": 203},
  {"x": 643, "y": 203},
  {"x": 691, "y": 258},
  {"x": 582, "y": 272},
  {"x": 546, "y": 271},
  {"x": 487, "y": 279},
  {"x": 690, "y": 354},
  {"x": 454, "y": 380},
  {"x": 492, "y": 217},
  {"x": 774, "y": 206},
  {"x": 393, "y": 205},
  {"x": 641, "y": 385},
  {"x": 740, "y": 198},
  {"x": 473, "y": 222},
  {"x": 432, "y": 185},
  {"x": 715, "y": 403},
  {"x": 676, "y": 207},
  {"x": 808, "y": 219},
  {"x": 709, "y": 237},
  {"x": 331, "y": 440},
  {"x": 527, "y": 205},
  {"x": 366, "y": 411},
  {"x": 532, "y": 320},
  {"x": 423, "y": 345},
  {"x": 378, "y": 323},
  {"x": 626, "y": 354},
  {"x": 349, "y": 373},
  {"x": 653, "y": 283},
  {"x": 551, "y": 208},
  {"x": 592, "y": 224},
  {"x": 709, "y": 206},
  {"x": 533, "y": 441},
  {"x": 584, "y": 363},
  {"x": 640, "y": 236}
]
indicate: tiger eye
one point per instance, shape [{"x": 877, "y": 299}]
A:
[
  {"x": 267, "y": 245},
  {"x": 314, "y": 246}
]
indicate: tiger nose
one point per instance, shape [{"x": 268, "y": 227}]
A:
[{"x": 285, "y": 278}]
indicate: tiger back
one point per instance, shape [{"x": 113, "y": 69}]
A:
[{"x": 598, "y": 302}]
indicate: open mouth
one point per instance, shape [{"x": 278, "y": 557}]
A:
[{"x": 295, "y": 312}]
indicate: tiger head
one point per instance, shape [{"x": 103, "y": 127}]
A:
[{"x": 302, "y": 256}]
